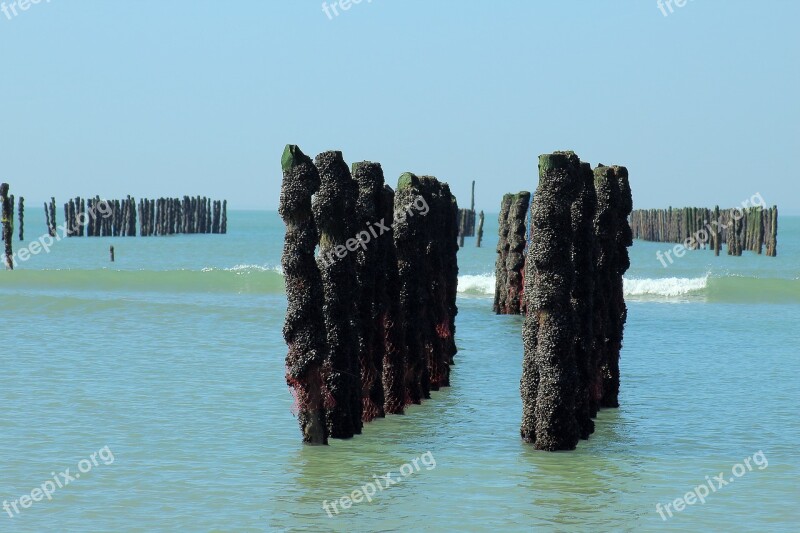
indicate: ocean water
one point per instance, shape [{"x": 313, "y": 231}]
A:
[{"x": 168, "y": 366}]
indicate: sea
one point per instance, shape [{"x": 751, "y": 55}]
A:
[{"x": 149, "y": 394}]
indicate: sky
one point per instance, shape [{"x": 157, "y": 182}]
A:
[{"x": 154, "y": 98}]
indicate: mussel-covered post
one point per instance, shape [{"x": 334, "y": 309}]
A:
[
  {"x": 304, "y": 329},
  {"x": 409, "y": 233},
  {"x": 619, "y": 312},
  {"x": 391, "y": 317},
  {"x": 583, "y": 253},
  {"x": 605, "y": 233},
  {"x": 7, "y": 222},
  {"x": 480, "y": 230},
  {"x": 501, "y": 273},
  {"x": 369, "y": 177},
  {"x": 333, "y": 207},
  {"x": 21, "y": 218},
  {"x": 549, "y": 376},
  {"x": 515, "y": 260}
]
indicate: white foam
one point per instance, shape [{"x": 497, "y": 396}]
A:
[
  {"x": 664, "y": 286},
  {"x": 482, "y": 284},
  {"x": 245, "y": 269}
]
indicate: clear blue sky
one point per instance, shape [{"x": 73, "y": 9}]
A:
[{"x": 156, "y": 98}]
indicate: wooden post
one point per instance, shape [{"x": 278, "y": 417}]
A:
[
  {"x": 111, "y": 251},
  {"x": 7, "y": 207},
  {"x": 515, "y": 260},
  {"x": 583, "y": 253},
  {"x": 333, "y": 206},
  {"x": 623, "y": 240},
  {"x": 224, "y": 221},
  {"x": 369, "y": 178},
  {"x": 408, "y": 233},
  {"x": 304, "y": 329},
  {"x": 392, "y": 332},
  {"x": 480, "y": 230},
  {"x": 772, "y": 246},
  {"x": 549, "y": 375},
  {"x": 21, "y": 218},
  {"x": 500, "y": 272}
]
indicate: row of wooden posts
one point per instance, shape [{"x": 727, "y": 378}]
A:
[
  {"x": 95, "y": 217},
  {"x": 750, "y": 228},
  {"x": 569, "y": 286},
  {"x": 466, "y": 221},
  {"x": 370, "y": 322}
]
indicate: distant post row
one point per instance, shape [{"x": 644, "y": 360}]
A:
[
  {"x": 96, "y": 217},
  {"x": 370, "y": 321},
  {"x": 745, "y": 228}
]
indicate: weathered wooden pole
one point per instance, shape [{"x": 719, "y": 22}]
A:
[
  {"x": 395, "y": 365},
  {"x": 450, "y": 205},
  {"x": 68, "y": 218},
  {"x": 409, "y": 233},
  {"x": 605, "y": 233},
  {"x": 438, "y": 199},
  {"x": 7, "y": 221},
  {"x": 369, "y": 177},
  {"x": 582, "y": 298},
  {"x": 480, "y": 230},
  {"x": 515, "y": 260},
  {"x": 224, "y": 222},
  {"x": 21, "y": 218},
  {"x": 472, "y": 198},
  {"x": 111, "y": 251},
  {"x": 92, "y": 222},
  {"x": 304, "y": 329},
  {"x": 216, "y": 214},
  {"x": 333, "y": 208},
  {"x": 549, "y": 375},
  {"x": 619, "y": 311},
  {"x": 53, "y": 217},
  {"x": 47, "y": 219},
  {"x": 462, "y": 226},
  {"x": 500, "y": 271},
  {"x": 772, "y": 246}
]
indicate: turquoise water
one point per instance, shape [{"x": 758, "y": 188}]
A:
[{"x": 173, "y": 358}]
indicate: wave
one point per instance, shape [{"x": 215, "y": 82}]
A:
[
  {"x": 666, "y": 287},
  {"x": 476, "y": 285},
  {"x": 267, "y": 279},
  {"x": 733, "y": 289}
]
